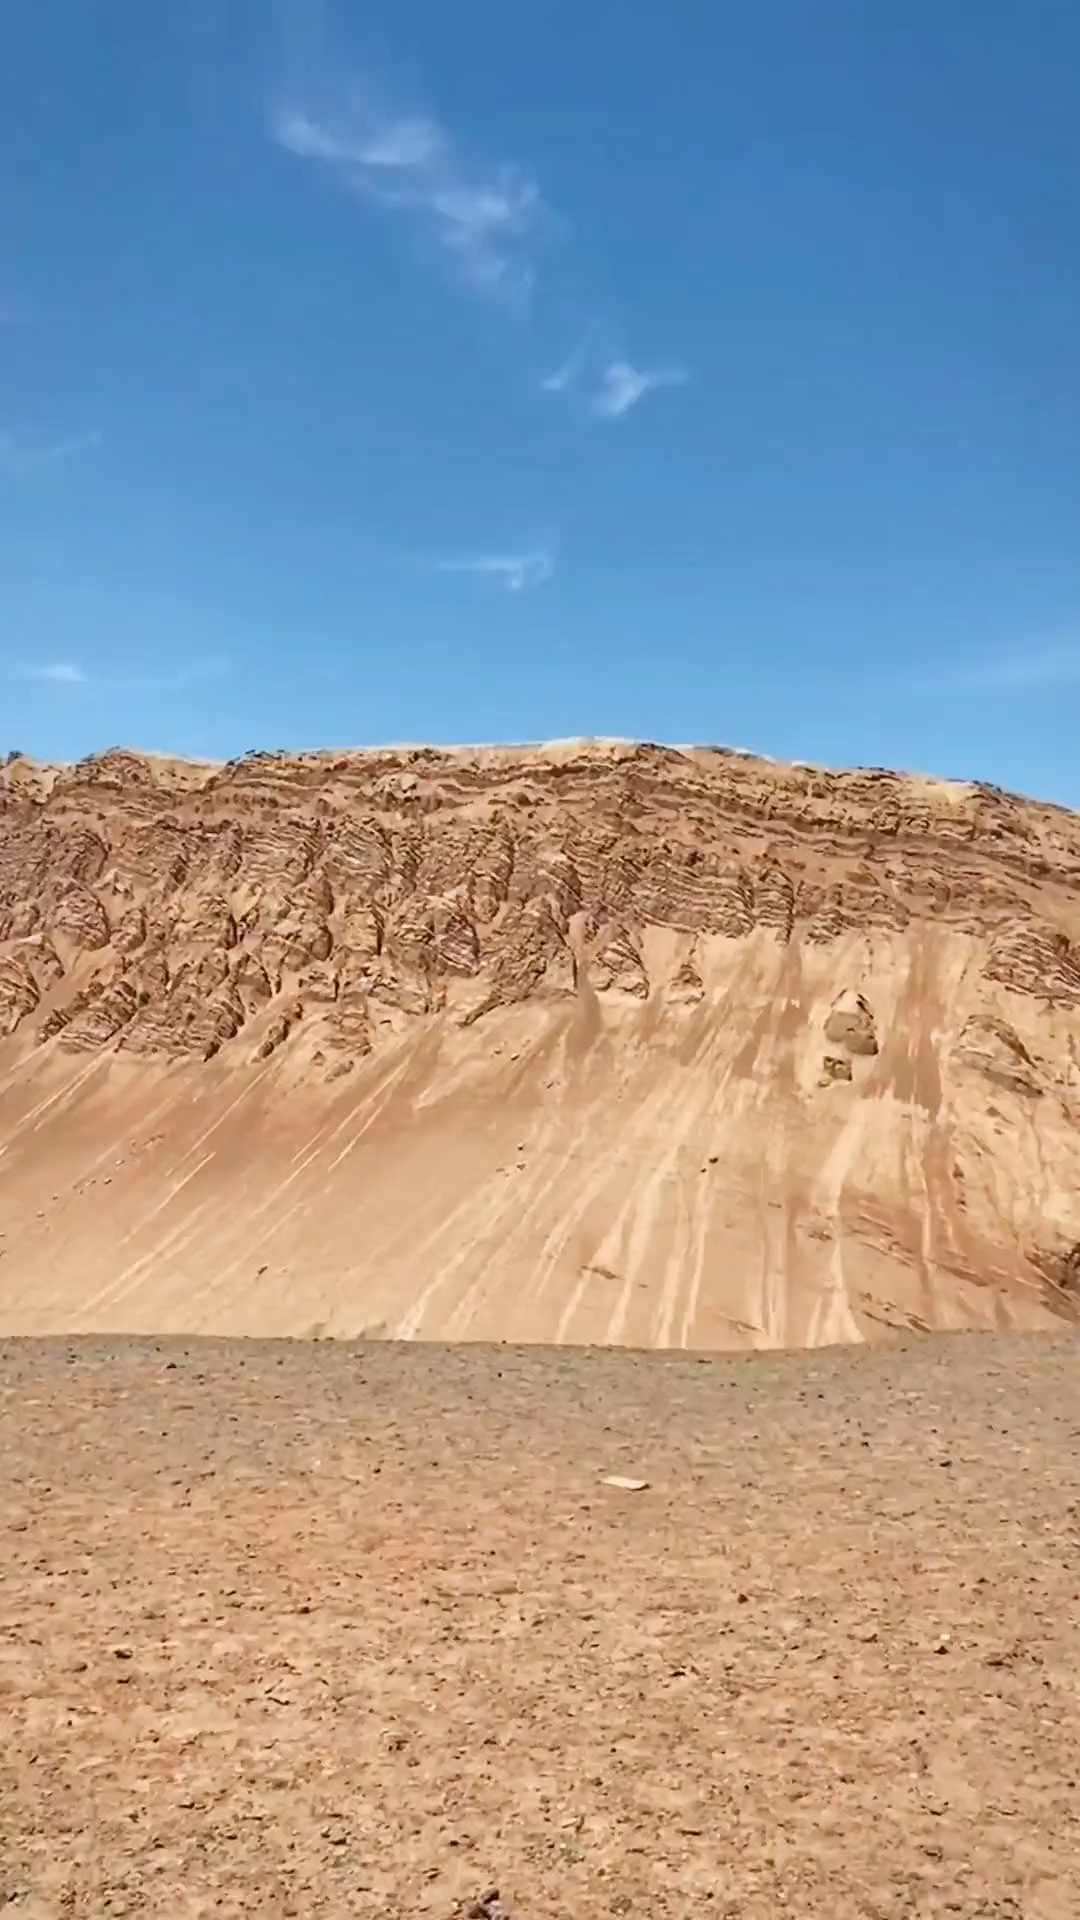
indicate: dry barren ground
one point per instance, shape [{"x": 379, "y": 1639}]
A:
[{"x": 301, "y": 1629}]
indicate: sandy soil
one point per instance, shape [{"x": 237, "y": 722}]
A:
[
  {"x": 603, "y": 1044},
  {"x": 311, "y": 1630}
]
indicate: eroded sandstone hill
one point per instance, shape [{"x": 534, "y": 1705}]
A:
[{"x": 581, "y": 1042}]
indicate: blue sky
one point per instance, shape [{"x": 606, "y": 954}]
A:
[{"x": 413, "y": 372}]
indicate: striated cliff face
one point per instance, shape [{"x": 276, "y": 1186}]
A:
[{"x": 607, "y": 1042}]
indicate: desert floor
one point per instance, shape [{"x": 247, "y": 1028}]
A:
[{"x": 311, "y": 1629}]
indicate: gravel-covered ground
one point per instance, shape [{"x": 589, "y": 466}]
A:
[{"x": 305, "y": 1629}]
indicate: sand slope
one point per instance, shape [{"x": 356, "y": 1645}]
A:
[{"x": 587, "y": 1043}]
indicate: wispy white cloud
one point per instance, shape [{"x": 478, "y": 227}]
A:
[
  {"x": 514, "y": 572},
  {"x": 610, "y": 383},
  {"x": 561, "y": 380},
  {"x": 569, "y": 372},
  {"x": 484, "y": 222},
  {"x": 395, "y": 143},
  {"x": 23, "y": 456},
  {"x": 623, "y": 385},
  {"x": 55, "y": 673},
  {"x": 415, "y": 142},
  {"x": 69, "y": 674}
]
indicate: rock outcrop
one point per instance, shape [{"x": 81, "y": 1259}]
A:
[
  {"x": 798, "y": 1051},
  {"x": 850, "y": 1024}
]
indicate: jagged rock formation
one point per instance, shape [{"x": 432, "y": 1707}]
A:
[
  {"x": 580, "y": 1042},
  {"x": 850, "y": 1023},
  {"x": 993, "y": 1048}
]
